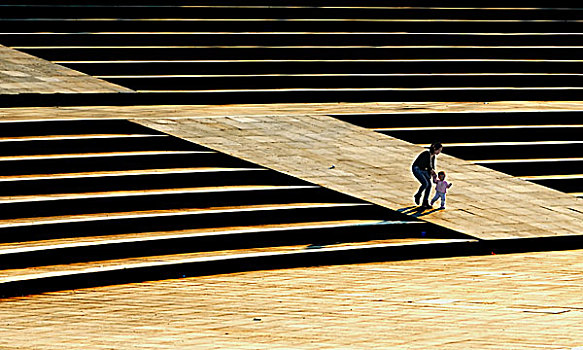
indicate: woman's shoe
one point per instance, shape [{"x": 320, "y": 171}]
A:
[
  {"x": 426, "y": 205},
  {"x": 417, "y": 198}
]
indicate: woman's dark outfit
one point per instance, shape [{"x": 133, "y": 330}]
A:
[{"x": 421, "y": 168}]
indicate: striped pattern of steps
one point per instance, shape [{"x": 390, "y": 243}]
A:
[
  {"x": 184, "y": 52},
  {"x": 543, "y": 147},
  {"x": 90, "y": 202}
]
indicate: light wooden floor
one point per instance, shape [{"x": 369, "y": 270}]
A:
[
  {"x": 22, "y": 73},
  {"x": 520, "y": 301}
]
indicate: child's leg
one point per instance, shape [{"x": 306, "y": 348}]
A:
[
  {"x": 434, "y": 198},
  {"x": 442, "y": 200}
]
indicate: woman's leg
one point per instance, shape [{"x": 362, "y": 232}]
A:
[
  {"x": 427, "y": 188},
  {"x": 423, "y": 179}
]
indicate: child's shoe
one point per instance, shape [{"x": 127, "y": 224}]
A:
[{"x": 441, "y": 208}]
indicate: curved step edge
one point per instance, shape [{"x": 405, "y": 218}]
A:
[{"x": 139, "y": 272}]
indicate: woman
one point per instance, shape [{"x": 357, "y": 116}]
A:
[{"x": 423, "y": 169}]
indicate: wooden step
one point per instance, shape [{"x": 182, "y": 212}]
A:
[
  {"x": 487, "y": 128},
  {"x": 37, "y": 147},
  {"x": 60, "y": 270},
  {"x": 553, "y": 177},
  {"x": 95, "y": 155},
  {"x": 73, "y": 242},
  {"x": 98, "y": 248},
  {"x": 302, "y": 3},
  {"x": 354, "y": 82},
  {"x": 148, "y": 181},
  {"x": 350, "y": 52},
  {"x": 526, "y": 160},
  {"x": 300, "y": 25},
  {"x": 37, "y": 126},
  {"x": 73, "y": 137},
  {"x": 242, "y": 12},
  {"x": 274, "y": 39},
  {"x": 118, "y": 163},
  {"x": 95, "y": 174},
  {"x": 324, "y": 95},
  {"x": 58, "y": 277},
  {"x": 166, "y": 191},
  {"x": 381, "y": 121},
  {"x": 31, "y": 222}
]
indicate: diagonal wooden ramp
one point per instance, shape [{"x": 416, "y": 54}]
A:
[
  {"x": 21, "y": 73},
  {"x": 483, "y": 203}
]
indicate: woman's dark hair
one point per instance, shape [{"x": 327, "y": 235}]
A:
[{"x": 434, "y": 146}]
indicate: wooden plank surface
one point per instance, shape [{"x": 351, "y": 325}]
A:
[
  {"x": 15, "y": 275},
  {"x": 515, "y": 301},
  {"x": 295, "y": 109},
  {"x": 482, "y": 203},
  {"x": 23, "y": 73},
  {"x": 109, "y": 216},
  {"x": 277, "y": 229}
]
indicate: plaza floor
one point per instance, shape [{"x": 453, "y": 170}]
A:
[{"x": 515, "y": 301}]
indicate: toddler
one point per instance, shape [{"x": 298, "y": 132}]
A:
[{"x": 441, "y": 187}]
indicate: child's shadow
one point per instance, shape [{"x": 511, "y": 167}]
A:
[{"x": 416, "y": 211}]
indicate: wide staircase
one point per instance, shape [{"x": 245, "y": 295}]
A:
[
  {"x": 265, "y": 51},
  {"x": 93, "y": 202}
]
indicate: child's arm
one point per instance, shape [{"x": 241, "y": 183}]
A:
[{"x": 449, "y": 185}]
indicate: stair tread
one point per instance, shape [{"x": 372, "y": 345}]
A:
[
  {"x": 94, "y": 155},
  {"x": 388, "y": 89},
  {"x": 151, "y": 171},
  {"x": 332, "y": 5},
  {"x": 315, "y": 60},
  {"x": 73, "y": 137},
  {"x": 308, "y": 19},
  {"x": 297, "y": 75},
  {"x": 300, "y": 46},
  {"x": 29, "y": 246},
  {"x": 34, "y": 221},
  {"x": 149, "y": 192},
  {"x": 13, "y": 275}
]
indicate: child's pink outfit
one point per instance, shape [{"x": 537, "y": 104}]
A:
[
  {"x": 440, "y": 191},
  {"x": 441, "y": 186}
]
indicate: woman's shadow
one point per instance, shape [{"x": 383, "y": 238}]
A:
[{"x": 416, "y": 211}]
